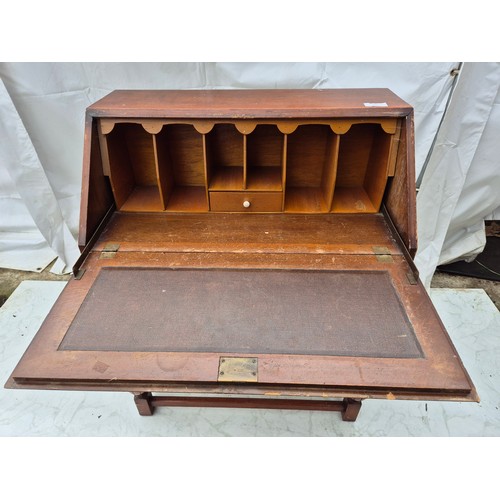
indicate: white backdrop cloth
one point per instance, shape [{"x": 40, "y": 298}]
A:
[
  {"x": 461, "y": 185},
  {"x": 42, "y": 108}
]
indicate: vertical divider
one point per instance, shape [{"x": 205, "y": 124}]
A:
[
  {"x": 103, "y": 144},
  {"x": 206, "y": 167},
  {"x": 163, "y": 166},
  {"x": 245, "y": 161},
  {"x": 330, "y": 170},
  {"x": 378, "y": 167},
  {"x": 120, "y": 168},
  {"x": 157, "y": 168},
  {"x": 394, "y": 150},
  {"x": 283, "y": 171}
]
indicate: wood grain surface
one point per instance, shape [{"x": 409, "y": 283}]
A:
[{"x": 249, "y": 103}]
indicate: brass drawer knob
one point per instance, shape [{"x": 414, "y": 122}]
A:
[{"x": 246, "y": 203}]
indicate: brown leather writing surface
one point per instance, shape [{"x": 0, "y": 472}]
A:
[{"x": 243, "y": 311}]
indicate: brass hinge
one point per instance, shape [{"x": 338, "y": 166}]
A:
[
  {"x": 233, "y": 369},
  {"x": 109, "y": 251},
  {"x": 383, "y": 254}
]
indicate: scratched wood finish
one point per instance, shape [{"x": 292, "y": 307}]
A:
[
  {"x": 282, "y": 103},
  {"x": 295, "y": 391},
  {"x": 246, "y": 233}
]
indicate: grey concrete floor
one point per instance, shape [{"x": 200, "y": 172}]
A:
[
  {"x": 445, "y": 280},
  {"x": 10, "y": 279}
]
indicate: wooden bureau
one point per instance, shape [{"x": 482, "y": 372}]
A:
[{"x": 247, "y": 248}]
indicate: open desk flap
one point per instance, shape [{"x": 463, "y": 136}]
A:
[{"x": 351, "y": 324}]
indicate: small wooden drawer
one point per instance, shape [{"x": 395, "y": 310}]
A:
[{"x": 245, "y": 201}]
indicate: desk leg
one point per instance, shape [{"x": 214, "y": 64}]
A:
[
  {"x": 351, "y": 409},
  {"x": 348, "y": 407},
  {"x": 144, "y": 403}
]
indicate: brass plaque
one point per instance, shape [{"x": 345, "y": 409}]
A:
[{"x": 232, "y": 369}]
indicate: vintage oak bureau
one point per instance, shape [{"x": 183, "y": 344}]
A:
[{"x": 247, "y": 248}]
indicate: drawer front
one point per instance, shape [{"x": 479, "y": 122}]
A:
[{"x": 224, "y": 201}]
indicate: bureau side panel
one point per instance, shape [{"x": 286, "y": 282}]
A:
[
  {"x": 400, "y": 198},
  {"x": 97, "y": 197}
]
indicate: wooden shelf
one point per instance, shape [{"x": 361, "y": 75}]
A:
[
  {"x": 363, "y": 169},
  {"x": 304, "y": 200},
  {"x": 143, "y": 199},
  {"x": 264, "y": 179},
  {"x": 352, "y": 200},
  {"x": 188, "y": 199},
  {"x": 227, "y": 179},
  {"x": 315, "y": 169}
]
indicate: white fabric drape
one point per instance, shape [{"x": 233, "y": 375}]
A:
[
  {"x": 461, "y": 184},
  {"x": 42, "y": 108},
  {"x": 28, "y": 241}
]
